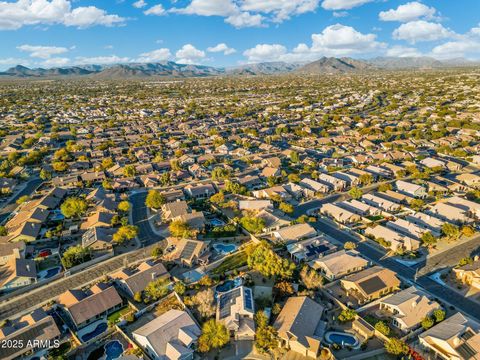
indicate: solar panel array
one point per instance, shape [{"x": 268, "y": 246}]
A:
[
  {"x": 248, "y": 299},
  {"x": 226, "y": 302},
  {"x": 188, "y": 250},
  {"x": 316, "y": 250}
]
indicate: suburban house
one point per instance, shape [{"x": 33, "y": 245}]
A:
[
  {"x": 85, "y": 307},
  {"x": 190, "y": 252},
  {"x": 370, "y": 284},
  {"x": 469, "y": 275},
  {"x": 17, "y": 272},
  {"x": 394, "y": 239},
  {"x": 407, "y": 308},
  {"x": 311, "y": 187},
  {"x": 379, "y": 202},
  {"x": 300, "y": 327},
  {"x": 170, "y": 336},
  {"x": 294, "y": 232},
  {"x": 426, "y": 221},
  {"x": 255, "y": 205},
  {"x": 334, "y": 266},
  {"x": 235, "y": 309},
  {"x": 309, "y": 249},
  {"x": 173, "y": 209},
  {"x": 456, "y": 338},
  {"x": 200, "y": 191},
  {"x": 340, "y": 214},
  {"x": 11, "y": 250},
  {"x": 134, "y": 280},
  {"x": 417, "y": 191},
  {"x": 35, "y": 326},
  {"x": 450, "y": 213},
  {"x": 98, "y": 238}
]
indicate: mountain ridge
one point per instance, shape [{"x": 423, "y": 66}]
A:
[{"x": 324, "y": 65}]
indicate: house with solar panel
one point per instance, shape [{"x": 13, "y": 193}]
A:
[
  {"x": 235, "y": 309},
  {"x": 370, "y": 284},
  {"x": 309, "y": 249},
  {"x": 455, "y": 338},
  {"x": 189, "y": 252}
]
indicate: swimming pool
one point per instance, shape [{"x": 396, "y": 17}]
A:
[
  {"x": 341, "y": 338},
  {"x": 228, "y": 285},
  {"x": 97, "y": 331},
  {"x": 47, "y": 274},
  {"x": 113, "y": 350},
  {"x": 225, "y": 248}
]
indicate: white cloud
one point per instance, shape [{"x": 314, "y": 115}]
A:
[
  {"x": 467, "y": 48},
  {"x": 139, "y": 4},
  {"x": 248, "y": 13},
  {"x": 55, "y": 62},
  {"x": 281, "y": 9},
  {"x": 42, "y": 52},
  {"x": 8, "y": 62},
  {"x": 14, "y": 15},
  {"x": 101, "y": 60},
  {"x": 334, "y": 40},
  {"x": 265, "y": 52},
  {"x": 343, "y": 4},
  {"x": 245, "y": 19},
  {"x": 209, "y": 8},
  {"x": 403, "y": 51},
  {"x": 223, "y": 48},
  {"x": 189, "y": 54},
  {"x": 340, "y": 40},
  {"x": 420, "y": 30},
  {"x": 408, "y": 12},
  {"x": 155, "y": 55},
  {"x": 155, "y": 10}
]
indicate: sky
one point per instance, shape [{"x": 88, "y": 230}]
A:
[{"x": 57, "y": 33}]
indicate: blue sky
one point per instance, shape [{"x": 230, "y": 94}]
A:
[{"x": 52, "y": 33}]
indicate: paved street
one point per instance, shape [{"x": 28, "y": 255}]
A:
[
  {"x": 449, "y": 296},
  {"x": 140, "y": 219},
  {"x": 11, "y": 205}
]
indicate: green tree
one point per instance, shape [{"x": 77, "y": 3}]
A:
[
  {"x": 439, "y": 315},
  {"x": 285, "y": 207},
  {"x": 75, "y": 255},
  {"x": 365, "y": 179},
  {"x": 124, "y": 206},
  {"x": 262, "y": 258},
  {"x": 3, "y": 231},
  {"x": 138, "y": 296},
  {"x": 294, "y": 157},
  {"x": 396, "y": 347},
  {"x": 129, "y": 171},
  {"x": 253, "y": 225},
  {"x": 179, "y": 287},
  {"x": 384, "y": 187},
  {"x": 156, "y": 289},
  {"x": 214, "y": 336},
  {"x": 428, "y": 239},
  {"x": 22, "y": 199},
  {"x": 74, "y": 207},
  {"x": 427, "y": 322},
  {"x": 467, "y": 231},
  {"x": 417, "y": 204},
  {"x": 266, "y": 337},
  {"x": 450, "y": 231},
  {"x": 45, "y": 175},
  {"x": 157, "y": 252},
  {"x": 383, "y": 328},
  {"x": 125, "y": 233},
  {"x": 220, "y": 173},
  {"x": 154, "y": 199},
  {"x": 347, "y": 315},
  {"x": 218, "y": 198},
  {"x": 355, "y": 193},
  {"x": 350, "y": 245},
  {"x": 181, "y": 229}
]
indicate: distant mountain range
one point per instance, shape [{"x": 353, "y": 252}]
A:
[{"x": 325, "y": 65}]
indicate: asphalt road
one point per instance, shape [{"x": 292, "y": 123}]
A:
[
  {"x": 450, "y": 297},
  {"x": 11, "y": 204},
  {"x": 140, "y": 219},
  {"x": 23, "y": 303}
]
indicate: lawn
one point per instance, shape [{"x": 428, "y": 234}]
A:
[
  {"x": 113, "y": 318},
  {"x": 47, "y": 263},
  {"x": 234, "y": 261}
]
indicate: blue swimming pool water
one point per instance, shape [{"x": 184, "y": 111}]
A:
[
  {"x": 341, "y": 339},
  {"x": 113, "y": 350},
  {"x": 225, "y": 248},
  {"x": 52, "y": 272},
  {"x": 228, "y": 285},
  {"x": 98, "y": 330}
]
